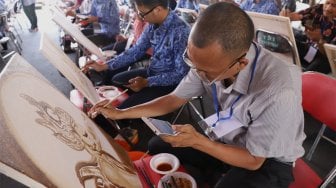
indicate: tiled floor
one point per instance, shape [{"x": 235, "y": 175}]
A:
[{"x": 322, "y": 162}]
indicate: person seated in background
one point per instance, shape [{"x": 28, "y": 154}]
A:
[
  {"x": 105, "y": 13},
  {"x": 255, "y": 94},
  {"x": 167, "y": 34},
  {"x": 82, "y": 7},
  {"x": 261, "y": 6},
  {"x": 3, "y": 25},
  {"x": 67, "y": 3},
  {"x": 74, "y": 7},
  {"x": 290, "y": 5},
  {"x": 138, "y": 26},
  {"x": 189, "y": 9},
  {"x": 319, "y": 22}
]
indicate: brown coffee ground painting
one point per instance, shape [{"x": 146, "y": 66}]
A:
[{"x": 64, "y": 128}]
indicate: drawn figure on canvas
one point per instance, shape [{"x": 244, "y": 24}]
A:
[{"x": 103, "y": 168}]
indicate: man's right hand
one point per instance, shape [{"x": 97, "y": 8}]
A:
[
  {"x": 104, "y": 108},
  {"x": 97, "y": 66}
]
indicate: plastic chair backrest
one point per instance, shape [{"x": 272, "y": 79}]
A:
[
  {"x": 319, "y": 97},
  {"x": 330, "y": 50},
  {"x": 275, "y": 42}
]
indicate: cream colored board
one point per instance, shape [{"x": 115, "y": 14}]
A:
[
  {"x": 45, "y": 137},
  {"x": 330, "y": 50},
  {"x": 67, "y": 67},
  {"x": 76, "y": 33},
  {"x": 276, "y": 24}
]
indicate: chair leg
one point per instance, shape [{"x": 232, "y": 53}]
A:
[
  {"x": 196, "y": 111},
  {"x": 14, "y": 42},
  {"x": 178, "y": 114},
  {"x": 329, "y": 178},
  {"x": 8, "y": 55},
  {"x": 200, "y": 98},
  {"x": 189, "y": 103},
  {"x": 317, "y": 140}
]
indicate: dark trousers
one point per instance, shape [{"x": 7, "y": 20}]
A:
[
  {"x": 31, "y": 15},
  {"x": 100, "y": 39},
  {"x": 144, "y": 95},
  {"x": 272, "y": 174}
]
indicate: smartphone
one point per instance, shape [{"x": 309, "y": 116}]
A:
[{"x": 159, "y": 127}]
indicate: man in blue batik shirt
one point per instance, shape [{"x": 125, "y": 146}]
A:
[
  {"x": 167, "y": 34},
  {"x": 106, "y": 13},
  {"x": 261, "y": 6}
]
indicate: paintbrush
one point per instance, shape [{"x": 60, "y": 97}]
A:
[{"x": 114, "y": 98}]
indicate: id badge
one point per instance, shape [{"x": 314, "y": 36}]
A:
[
  {"x": 310, "y": 54},
  {"x": 221, "y": 128}
]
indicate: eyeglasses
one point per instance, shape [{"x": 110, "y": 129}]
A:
[
  {"x": 142, "y": 15},
  {"x": 202, "y": 74}
]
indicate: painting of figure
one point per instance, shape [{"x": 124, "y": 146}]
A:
[{"x": 45, "y": 137}]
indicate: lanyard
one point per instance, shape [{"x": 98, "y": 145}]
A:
[{"x": 214, "y": 92}]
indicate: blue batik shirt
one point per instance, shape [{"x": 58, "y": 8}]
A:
[
  {"x": 189, "y": 4},
  {"x": 168, "y": 41},
  {"x": 3, "y": 6},
  {"x": 264, "y": 6},
  {"x": 107, "y": 12}
]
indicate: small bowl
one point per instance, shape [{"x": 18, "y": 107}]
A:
[
  {"x": 164, "y": 163},
  {"x": 110, "y": 93},
  {"x": 178, "y": 177}
]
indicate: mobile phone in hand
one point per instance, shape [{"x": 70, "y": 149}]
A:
[{"x": 159, "y": 127}]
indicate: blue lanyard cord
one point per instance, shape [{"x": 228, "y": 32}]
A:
[
  {"x": 214, "y": 92},
  {"x": 216, "y": 105}
]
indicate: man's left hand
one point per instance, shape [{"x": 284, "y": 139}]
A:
[
  {"x": 186, "y": 136},
  {"x": 137, "y": 83}
]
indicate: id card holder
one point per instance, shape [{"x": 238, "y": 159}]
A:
[
  {"x": 208, "y": 130},
  {"x": 310, "y": 54},
  {"x": 222, "y": 127}
]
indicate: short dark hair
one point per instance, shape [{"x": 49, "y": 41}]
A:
[
  {"x": 225, "y": 24},
  {"x": 152, "y": 3}
]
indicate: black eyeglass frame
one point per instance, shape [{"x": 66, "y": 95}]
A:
[
  {"x": 142, "y": 15},
  {"x": 192, "y": 66}
]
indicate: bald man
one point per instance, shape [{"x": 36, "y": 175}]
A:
[{"x": 255, "y": 95}]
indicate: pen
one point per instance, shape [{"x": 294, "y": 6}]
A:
[
  {"x": 143, "y": 156},
  {"x": 115, "y": 97}
]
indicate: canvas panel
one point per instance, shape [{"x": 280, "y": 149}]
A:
[
  {"x": 67, "y": 67},
  {"x": 44, "y": 136},
  {"x": 330, "y": 50},
  {"x": 75, "y": 32}
]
